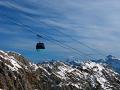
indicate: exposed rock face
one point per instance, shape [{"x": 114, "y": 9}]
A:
[{"x": 17, "y": 73}]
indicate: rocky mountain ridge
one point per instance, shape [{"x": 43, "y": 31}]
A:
[{"x": 18, "y": 73}]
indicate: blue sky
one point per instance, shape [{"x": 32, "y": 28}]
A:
[{"x": 93, "y": 22}]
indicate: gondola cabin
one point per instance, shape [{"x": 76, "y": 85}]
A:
[{"x": 40, "y": 46}]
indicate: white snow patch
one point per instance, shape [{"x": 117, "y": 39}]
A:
[
  {"x": 15, "y": 64},
  {"x": 50, "y": 66},
  {"x": 14, "y": 52},
  {"x": 44, "y": 70},
  {"x": 92, "y": 78},
  {"x": 92, "y": 65},
  {"x": 3, "y": 52},
  {"x": 63, "y": 69},
  {"x": 34, "y": 66}
]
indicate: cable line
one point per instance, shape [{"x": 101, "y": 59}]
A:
[
  {"x": 80, "y": 42},
  {"x": 42, "y": 36}
]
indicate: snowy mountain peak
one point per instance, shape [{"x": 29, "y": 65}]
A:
[
  {"x": 110, "y": 57},
  {"x": 9, "y": 61},
  {"x": 113, "y": 62},
  {"x": 17, "y": 73},
  {"x": 92, "y": 65}
]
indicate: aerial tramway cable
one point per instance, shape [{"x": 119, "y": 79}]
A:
[
  {"x": 43, "y": 36},
  {"x": 81, "y": 43}
]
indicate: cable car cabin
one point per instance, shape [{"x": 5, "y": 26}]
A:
[{"x": 40, "y": 46}]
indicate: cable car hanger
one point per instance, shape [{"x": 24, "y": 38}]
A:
[{"x": 40, "y": 45}]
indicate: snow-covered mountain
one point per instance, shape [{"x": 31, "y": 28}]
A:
[
  {"x": 17, "y": 73},
  {"x": 111, "y": 61}
]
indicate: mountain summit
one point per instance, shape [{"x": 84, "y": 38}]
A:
[
  {"x": 18, "y": 73},
  {"x": 113, "y": 62}
]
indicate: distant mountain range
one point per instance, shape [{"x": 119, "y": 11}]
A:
[
  {"x": 18, "y": 73},
  {"x": 112, "y": 62}
]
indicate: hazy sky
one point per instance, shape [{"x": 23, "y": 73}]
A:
[{"x": 95, "y": 23}]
